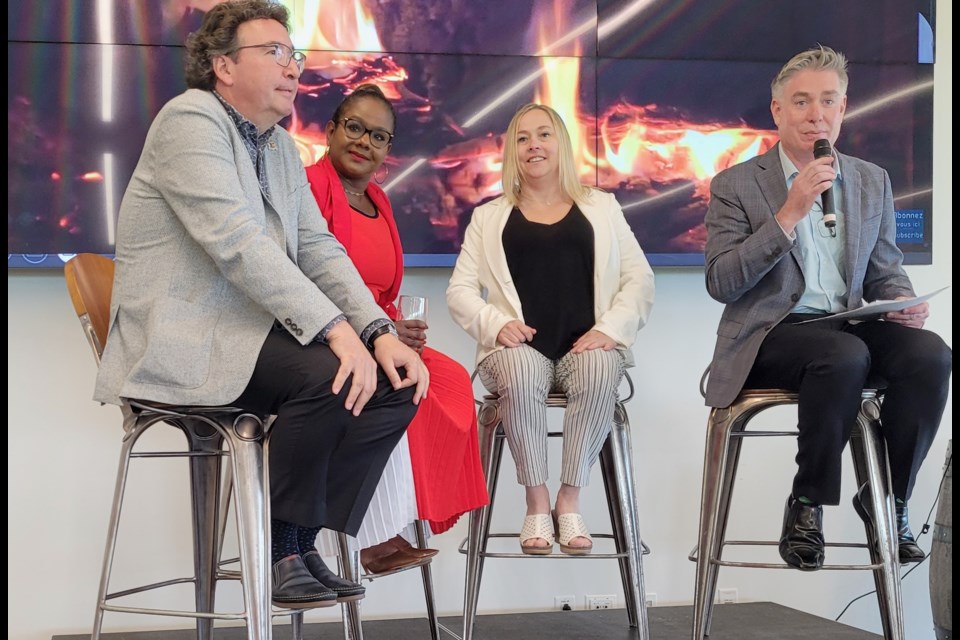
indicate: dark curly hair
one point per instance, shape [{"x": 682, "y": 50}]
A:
[
  {"x": 217, "y": 36},
  {"x": 365, "y": 91}
]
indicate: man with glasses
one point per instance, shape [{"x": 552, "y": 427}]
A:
[
  {"x": 283, "y": 53},
  {"x": 776, "y": 264},
  {"x": 229, "y": 290}
]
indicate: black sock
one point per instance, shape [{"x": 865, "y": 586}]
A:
[
  {"x": 284, "y": 538},
  {"x": 307, "y": 538}
]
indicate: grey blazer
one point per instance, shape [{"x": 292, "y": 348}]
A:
[
  {"x": 206, "y": 262},
  {"x": 754, "y": 268}
]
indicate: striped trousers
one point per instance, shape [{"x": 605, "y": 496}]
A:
[{"x": 522, "y": 377}]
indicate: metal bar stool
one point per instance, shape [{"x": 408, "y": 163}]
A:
[
  {"x": 726, "y": 429},
  {"x": 89, "y": 279},
  {"x": 617, "y": 470},
  {"x": 350, "y": 568}
]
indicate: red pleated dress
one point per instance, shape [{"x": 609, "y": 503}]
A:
[{"x": 444, "y": 449}]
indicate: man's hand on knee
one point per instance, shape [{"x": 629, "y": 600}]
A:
[
  {"x": 355, "y": 360},
  {"x": 392, "y": 354}
]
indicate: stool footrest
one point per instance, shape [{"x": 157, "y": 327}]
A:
[
  {"x": 771, "y": 543},
  {"x": 553, "y": 556},
  {"x": 370, "y": 577},
  {"x": 644, "y": 551},
  {"x": 780, "y": 565},
  {"x": 175, "y": 613},
  {"x": 762, "y": 434}
]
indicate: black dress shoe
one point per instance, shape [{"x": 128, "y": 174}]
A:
[
  {"x": 295, "y": 588},
  {"x": 907, "y": 548},
  {"x": 801, "y": 543},
  {"x": 346, "y": 591}
]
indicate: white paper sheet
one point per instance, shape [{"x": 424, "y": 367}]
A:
[{"x": 877, "y": 307}]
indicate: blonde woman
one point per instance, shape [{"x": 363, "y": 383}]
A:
[{"x": 553, "y": 286}]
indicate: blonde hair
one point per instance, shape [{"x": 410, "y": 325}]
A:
[
  {"x": 819, "y": 59},
  {"x": 512, "y": 176}
]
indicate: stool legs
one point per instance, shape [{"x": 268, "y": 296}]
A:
[
  {"x": 245, "y": 435},
  {"x": 132, "y": 432},
  {"x": 870, "y": 465},
  {"x": 491, "y": 452},
  {"x": 205, "y": 485},
  {"x": 246, "y": 442},
  {"x": 226, "y": 495},
  {"x": 721, "y": 458},
  {"x": 350, "y": 568},
  {"x": 296, "y": 625},
  {"x": 731, "y": 464},
  {"x": 617, "y": 470},
  {"x": 427, "y": 575},
  {"x": 711, "y": 498},
  {"x": 350, "y": 611}
]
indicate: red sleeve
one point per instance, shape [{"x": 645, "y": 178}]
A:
[
  {"x": 320, "y": 186},
  {"x": 332, "y": 200}
]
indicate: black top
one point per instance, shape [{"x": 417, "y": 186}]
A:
[{"x": 552, "y": 269}]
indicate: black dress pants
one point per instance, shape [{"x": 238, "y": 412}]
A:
[
  {"x": 828, "y": 363},
  {"x": 325, "y": 463}
]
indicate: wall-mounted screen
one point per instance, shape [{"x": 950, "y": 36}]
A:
[{"x": 658, "y": 95}]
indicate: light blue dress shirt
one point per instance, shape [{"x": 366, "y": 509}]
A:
[{"x": 821, "y": 252}]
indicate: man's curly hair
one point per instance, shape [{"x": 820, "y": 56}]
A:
[{"x": 217, "y": 36}]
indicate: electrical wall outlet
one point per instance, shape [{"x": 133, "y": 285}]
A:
[
  {"x": 565, "y": 603},
  {"x": 601, "y": 602},
  {"x": 650, "y": 599},
  {"x": 726, "y": 596}
]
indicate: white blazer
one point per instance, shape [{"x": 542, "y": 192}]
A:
[{"x": 482, "y": 298}]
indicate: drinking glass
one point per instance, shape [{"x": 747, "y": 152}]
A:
[{"x": 412, "y": 308}]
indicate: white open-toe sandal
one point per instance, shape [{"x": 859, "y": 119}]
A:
[
  {"x": 570, "y": 526},
  {"x": 539, "y": 525}
]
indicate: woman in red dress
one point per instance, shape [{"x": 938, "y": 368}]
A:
[{"x": 447, "y": 477}]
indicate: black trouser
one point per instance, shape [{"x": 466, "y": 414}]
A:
[
  {"x": 828, "y": 363},
  {"x": 325, "y": 463}
]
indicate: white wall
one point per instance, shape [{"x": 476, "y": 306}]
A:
[{"x": 63, "y": 449}]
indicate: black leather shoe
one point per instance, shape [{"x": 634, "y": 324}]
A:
[
  {"x": 801, "y": 543},
  {"x": 346, "y": 591},
  {"x": 907, "y": 548},
  {"x": 295, "y": 588}
]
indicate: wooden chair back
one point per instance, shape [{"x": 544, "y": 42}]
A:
[{"x": 89, "y": 279}]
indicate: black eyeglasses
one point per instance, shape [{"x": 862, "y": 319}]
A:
[
  {"x": 355, "y": 130},
  {"x": 282, "y": 53}
]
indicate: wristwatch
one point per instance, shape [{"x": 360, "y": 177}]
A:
[{"x": 387, "y": 328}]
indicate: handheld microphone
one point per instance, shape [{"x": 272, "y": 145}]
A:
[{"x": 821, "y": 148}]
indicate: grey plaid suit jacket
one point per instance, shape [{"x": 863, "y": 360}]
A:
[
  {"x": 206, "y": 262},
  {"x": 754, "y": 268}
]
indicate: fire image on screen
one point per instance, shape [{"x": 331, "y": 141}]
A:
[{"x": 655, "y": 101}]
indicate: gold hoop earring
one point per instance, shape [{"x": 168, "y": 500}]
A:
[{"x": 386, "y": 172}]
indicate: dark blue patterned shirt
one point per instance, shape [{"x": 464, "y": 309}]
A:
[{"x": 253, "y": 140}]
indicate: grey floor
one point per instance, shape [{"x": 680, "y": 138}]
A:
[{"x": 747, "y": 621}]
